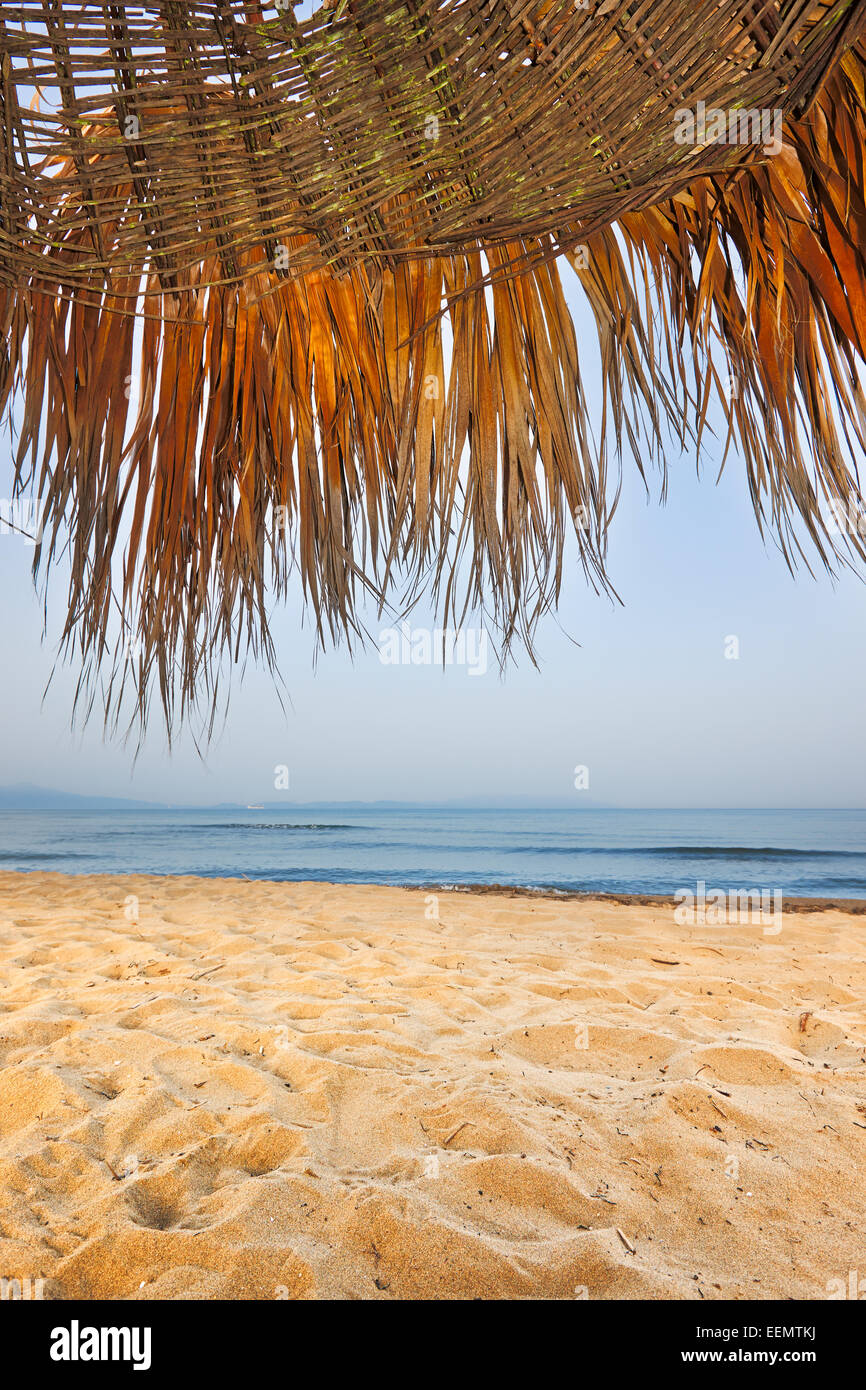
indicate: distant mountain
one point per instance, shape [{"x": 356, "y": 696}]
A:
[{"x": 25, "y": 797}]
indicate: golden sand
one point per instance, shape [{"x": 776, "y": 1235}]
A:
[{"x": 308, "y": 1091}]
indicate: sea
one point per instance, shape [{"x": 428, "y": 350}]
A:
[{"x": 795, "y": 853}]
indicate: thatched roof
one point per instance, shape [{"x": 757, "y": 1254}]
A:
[{"x": 243, "y": 263}]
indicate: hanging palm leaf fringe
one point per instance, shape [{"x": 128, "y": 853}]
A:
[{"x": 285, "y": 296}]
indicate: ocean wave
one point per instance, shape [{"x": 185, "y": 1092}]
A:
[
  {"x": 17, "y": 856},
  {"x": 255, "y": 825},
  {"x": 839, "y": 885},
  {"x": 690, "y": 851}
]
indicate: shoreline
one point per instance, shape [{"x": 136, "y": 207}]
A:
[{"x": 852, "y": 906}]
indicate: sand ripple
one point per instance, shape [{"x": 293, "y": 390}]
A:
[{"x": 303, "y": 1091}]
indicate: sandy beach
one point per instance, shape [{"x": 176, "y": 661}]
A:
[{"x": 218, "y": 1088}]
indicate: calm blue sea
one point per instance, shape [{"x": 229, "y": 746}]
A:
[{"x": 798, "y": 853}]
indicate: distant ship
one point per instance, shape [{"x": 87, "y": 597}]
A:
[{"x": 255, "y": 808}]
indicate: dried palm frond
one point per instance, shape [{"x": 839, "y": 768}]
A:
[{"x": 277, "y": 294}]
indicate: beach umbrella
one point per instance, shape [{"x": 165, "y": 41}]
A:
[{"x": 283, "y": 293}]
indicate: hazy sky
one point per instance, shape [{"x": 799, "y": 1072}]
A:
[{"x": 648, "y": 702}]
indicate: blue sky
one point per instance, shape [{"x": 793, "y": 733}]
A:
[{"x": 647, "y": 702}]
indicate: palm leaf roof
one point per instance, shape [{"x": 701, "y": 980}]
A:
[{"x": 282, "y": 293}]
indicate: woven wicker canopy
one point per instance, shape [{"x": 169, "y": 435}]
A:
[
  {"x": 405, "y": 127},
  {"x": 242, "y": 270}
]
